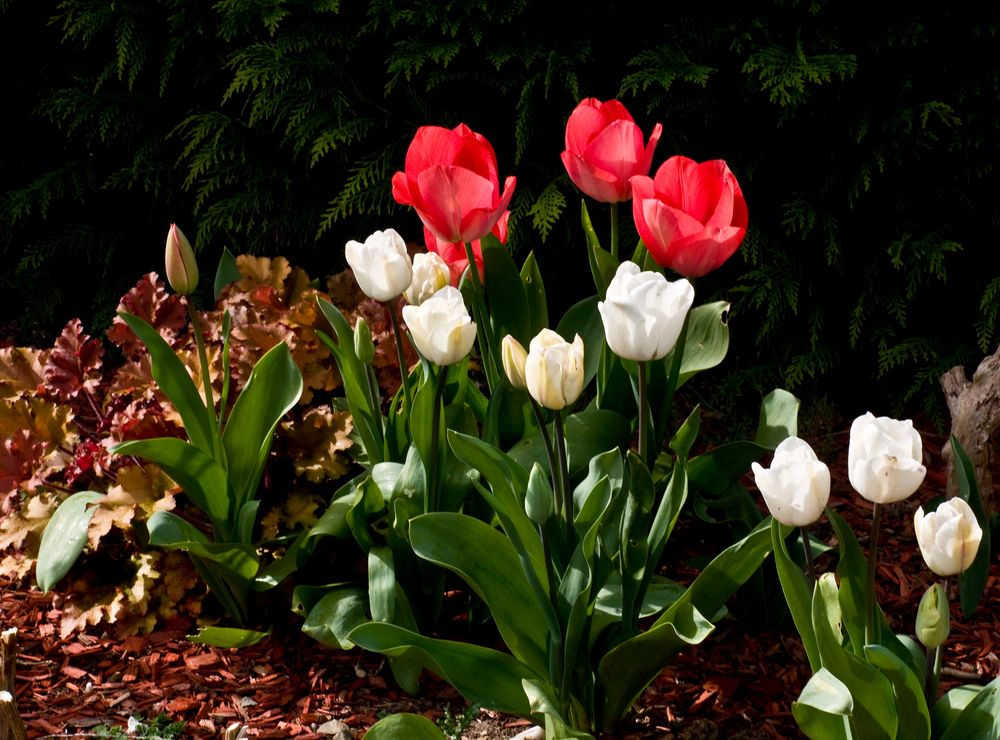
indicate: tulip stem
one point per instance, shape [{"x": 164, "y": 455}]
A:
[
  {"x": 486, "y": 343},
  {"x": 567, "y": 501},
  {"x": 643, "y": 400},
  {"x": 547, "y": 443},
  {"x": 404, "y": 375},
  {"x": 206, "y": 377},
  {"x": 872, "y": 563},
  {"x": 614, "y": 230},
  {"x": 807, "y": 551}
]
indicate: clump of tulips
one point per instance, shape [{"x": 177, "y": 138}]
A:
[{"x": 868, "y": 681}]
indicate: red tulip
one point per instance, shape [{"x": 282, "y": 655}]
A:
[
  {"x": 451, "y": 180},
  {"x": 454, "y": 254},
  {"x": 691, "y": 216},
  {"x": 604, "y": 149}
]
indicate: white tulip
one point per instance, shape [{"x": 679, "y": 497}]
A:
[
  {"x": 797, "y": 485},
  {"x": 553, "y": 369},
  {"x": 949, "y": 537},
  {"x": 643, "y": 312},
  {"x": 514, "y": 357},
  {"x": 884, "y": 459},
  {"x": 381, "y": 265},
  {"x": 441, "y": 327},
  {"x": 430, "y": 274}
]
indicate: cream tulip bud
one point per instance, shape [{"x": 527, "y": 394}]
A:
[
  {"x": 949, "y": 537},
  {"x": 181, "y": 266},
  {"x": 430, "y": 274},
  {"x": 381, "y": 265},
  {"x": 643, "y": 312},
  {"x": 553, "y": 369},
  {"x": 441, "y": 328},
  {"x": 884, "y": 459},
  {"x": 933, "y": 617},
  {"x": 797, "y": 485},
  {"x": 514, "y": 357}
]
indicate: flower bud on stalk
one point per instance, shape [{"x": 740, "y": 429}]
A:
[
  {"x": 933, "y": 617},
  {"x": 364, "y": 348},
  {"x": 181, "y": 266},
  {"x": 514, "y": 358}
]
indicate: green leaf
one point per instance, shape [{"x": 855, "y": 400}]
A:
[
  {"x": 508, "y": 308},
  {"x": 274, "y": 387},
  {"x": 170, "y": 532},
  {"x": 707, "y": 340},
  {"x": 332, "y": 618},
  {"x": 64, "y": 538},
  {"x": 824, "y": 708},
  {"x": 972, "y": 583},
  {"x": 588, "y": 433},
  {"x": 908, "y": 691},
  {"x": 584, "y": 319},
  {"x": 542, "y": 703},
  {"x": 381, "y": 584},
  {"x": 874, "y": 718},
  {"x": 204, "y": 481},
  {"x": 410, "y": 726},
  {"x": 779, "y": 413},
  {"x": 486, "y": 560},
  {"x": 228, "y": 637},
  {"x": 486, "y": 677},
  {"x": 534, "y": 294},
  {"x": 950, "y": 706},
  {"x": 173, "y": 379},
  {"x": 980, "y": 719},
  {"x": 796, "y": 588},
  {"x": 227, "y": 272},
  {"x": 603, "y": 265}
]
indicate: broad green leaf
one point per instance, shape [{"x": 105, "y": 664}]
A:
[
  {"x": 588, "y": 433},
  {"x": 874, "y": 716},
  {"x": 980, "y": 719},
  {"x": 779, "y": 413},
  {"x": 483, "y": 676},
  {"x": 908, "y": 691},
  {"x": 64, "y": 538},
  {"x": 227, "y": 272},
  {"x": 584, "y": 319},
  {"x": 950, "y": 706},
  {"x": 173, "y": 379},
  {"x": 972, "y": 582},
  {"x": 798, "y": 596},
  {"x": 542, "y": 703},
  {"x": 332, "y": 618},
  {"x": 228, "y": 637},
  {"x": 486, "y": 560},
  {"x": 707, "y": 340},
  {"x": 204, "y": 481},
  {"x": 534, "y": 292},
  {"x": 824, "y": 708},
  {"x": 508, "y": 308},
  {"x": 405, "y": 725},
  {"x": 381, "y": 584},
  {"x": 274, "y": 387},
  {"x": 170, "y": 532}
]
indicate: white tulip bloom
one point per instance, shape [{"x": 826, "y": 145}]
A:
[
  {"x": 553, "y": 370},
  {"x": 441, "y": 328},
  {"x": 884, "y": 459},
  {"x": 949, "y": 537},
  {"x": 430, "y": 274},
  {"x": 643, "y": 312},
  {"x": 381, "y": 265},
  {"x": 797, "y": 485}
]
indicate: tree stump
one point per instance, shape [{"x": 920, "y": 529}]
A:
[
  {"x": 11, "y": 725},
  {"x": 975, "y": 416}
]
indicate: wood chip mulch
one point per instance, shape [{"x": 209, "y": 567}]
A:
[{"x": 740, "y": 683}]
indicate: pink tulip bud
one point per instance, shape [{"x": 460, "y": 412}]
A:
[{"x": 182, "y": 268}]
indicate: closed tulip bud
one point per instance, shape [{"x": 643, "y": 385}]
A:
[
  {"x": 182, "y": 268},
  {"x": 381, "y": 265},
  {"x": 884, "y": 459},
  {"x": 949, "y": 537},
  {"x": 363, "y": 346},
  {"x": 553, "y": 369},
  {"x": 514, "y": 357},
  {"x": 539, "y": 501},
  {"x": 441, "y": 328},
  {"x": 430, "y": 274},
  {"x": 933, "y": 617},
  {"x": 797, "y": 485},
  {"x": 643, "y": 313}
]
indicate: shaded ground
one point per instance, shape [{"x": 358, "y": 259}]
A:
[{"x": 739, "y": 683}]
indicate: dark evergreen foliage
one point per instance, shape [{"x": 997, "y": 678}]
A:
[{"x": 864, "y": 141}]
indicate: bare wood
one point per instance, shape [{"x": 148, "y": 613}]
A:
[
  {"x": 11, "y": 723},
  {"x": 975, "y": 417},
  {"x": 8, "y": 659}
]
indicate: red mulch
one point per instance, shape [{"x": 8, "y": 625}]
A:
[{"x": 739, "y": 683}]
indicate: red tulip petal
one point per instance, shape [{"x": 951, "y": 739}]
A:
[
  {"x": 647, "y": 155},
  {"x": 584, "y": 123},
  {"x": 600, "y": 185},
  {"x": 401, "y": 189},
  {"x": 446, "y": 195},
  {"x": 431, "y": 146}
]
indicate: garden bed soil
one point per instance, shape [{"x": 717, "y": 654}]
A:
[{"x": 740, "y": 683}]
